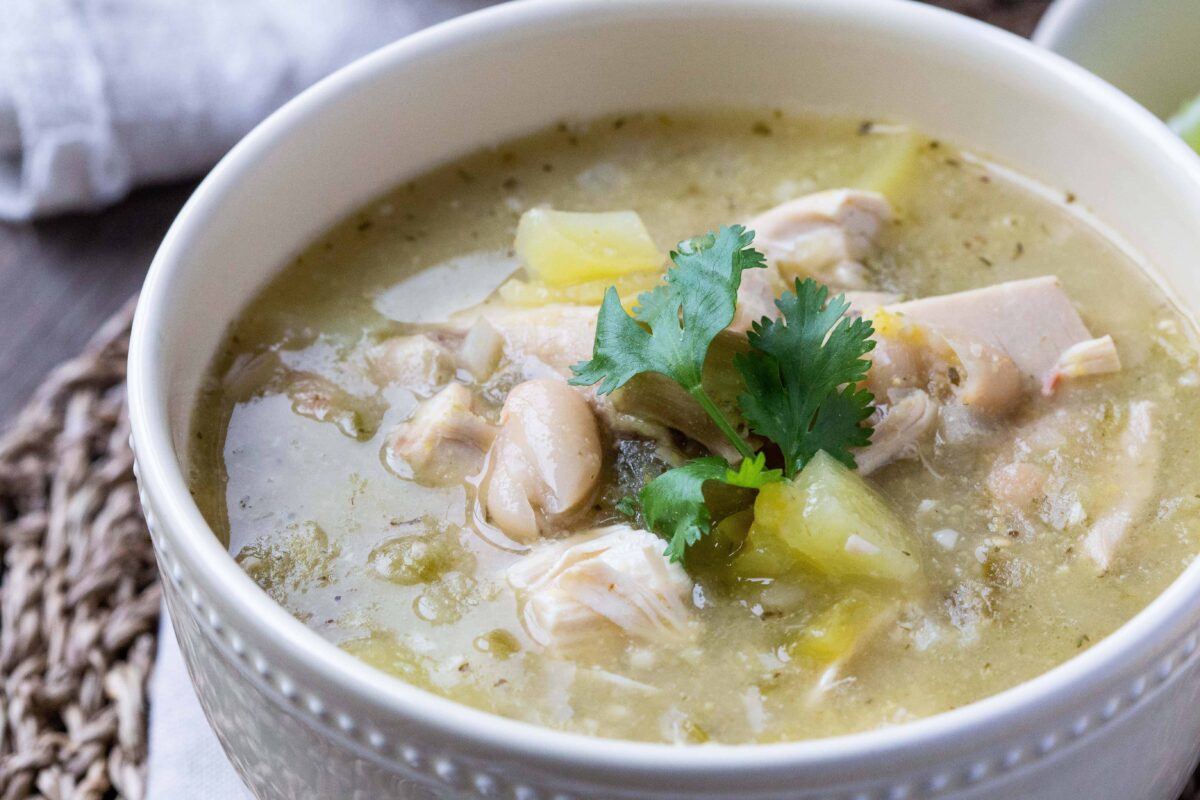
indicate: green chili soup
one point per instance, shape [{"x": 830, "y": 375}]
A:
[{"x": 940, "y": 486}]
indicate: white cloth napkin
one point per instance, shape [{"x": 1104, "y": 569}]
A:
[
  {"x": 97, "y": 96},
  {"x": 100, "y": 96},
  {"x": 186, "y": 760}
]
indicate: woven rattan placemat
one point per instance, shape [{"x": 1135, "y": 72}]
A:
[{"x": 79, "y": 594}]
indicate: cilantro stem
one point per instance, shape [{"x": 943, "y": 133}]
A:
[{"x": 711, "y": 409}]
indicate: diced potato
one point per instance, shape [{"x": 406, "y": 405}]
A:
[
  {"x": 831, "y": 522},
  {"x": 564, "y": 248},
  {"x": 713, "y": 552},
  {"x": 764, "y": 555},
  {"x": 895, "y": 167},
  {"x": 518, "y": 292},
  {"x": 837, "y": 632}
]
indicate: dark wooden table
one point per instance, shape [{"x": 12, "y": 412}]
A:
[{"x": 59, "y": 279}]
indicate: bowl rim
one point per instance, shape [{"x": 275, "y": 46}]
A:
[
  {"x": 1058, "y": 22},
  {"x": 193, "y": 541}
]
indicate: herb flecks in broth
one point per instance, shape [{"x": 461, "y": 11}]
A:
[{"x": 1017, "y": 501}]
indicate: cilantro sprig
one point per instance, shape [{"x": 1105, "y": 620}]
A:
[
  {"x": 673, "y": 325},
  {"x": 801, "y": 374},
  {"x": 793, "y": 372}
]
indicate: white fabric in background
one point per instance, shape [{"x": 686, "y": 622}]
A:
[
  {"x": 186, "y": 760},
  {"x": 100, "y": 96}
]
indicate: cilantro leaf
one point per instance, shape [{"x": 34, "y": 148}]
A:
[
  {"x": 752, "y": 473},
  {"x": 673, "y": 503},
  {"x": 838, "y": 426},
  {"x": 627, "y": 506},
  {"x": 800, "y": 376},
  {"x": 672, "y": 325}
]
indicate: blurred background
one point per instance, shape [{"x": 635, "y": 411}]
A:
[{"x": 110, "y": 110}]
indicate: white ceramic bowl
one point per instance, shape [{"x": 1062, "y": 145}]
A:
[
  {"x": 1150, "y": 49},
  {"x": 300, "y": 718}
]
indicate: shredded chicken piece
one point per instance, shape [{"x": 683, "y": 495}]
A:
[
  {"x": 959, "y": 424},
  {"x": 824, "y": 235},
  {"x": 541, "y": 341},
  {"x": 1104, "y": 494},
  {"x": 1031, "y": 321},
  {"x": 992, "y": 383},
  {"x": 1091, "y": 357},
  {"x": 1018, "y": 485},
  {"x": 320, "y": 399},
  {"x": 833, "y": 674},
  {"x": 614, "y": 578},
  {"x": 756, "y": 297},
  {"x": 545, "y": 462},
  {"x": 1139, "y": 452},
  {"x": 865, "y": 301},
  {"x": 900, "y": 359},
  {"x": 444, "y": 439},
  {"x": 413, "y": 361},
  {"x": 481, "y": 350},
  {"x": 899, "y": 431},
  {"x": 910, "y": 355}
]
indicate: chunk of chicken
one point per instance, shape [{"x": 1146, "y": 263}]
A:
[
  {"x": 857, "y": 627},
  {"x": 541, "y": 341},
  {"x": 865, "y": 301},
  {"x": 958, "y": 425},
  {"x": 481, "y": 350},
  {"x": 821, "y": 236},
  {"x": 899, "y": 360},
  {"x": 1093, "y": 357},
  {"x": 756, "y": 297},
  {"x": 899, "y": 431},
  {"x": 322, "y": 400},
  {"x": 443, "y": 441},
  {"x": 1034, "y": 481},
  {"x": 1107, "y": 488},
  {"x": 417, "y": 362},
  {"x": 614, "y": 579},
  {"x": 824, "y": 235},
  {"x": 1019, "y": 486},
  {"x": 545, "y": 463},
  {"x": 1138, "y": 462},
  {"x": 1032, "y": 321},
  {"x": 910, "y": 355},
  {"x": 992, "y": 383}
]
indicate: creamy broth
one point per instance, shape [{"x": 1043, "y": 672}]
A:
[{"x": 290, "y": 440}]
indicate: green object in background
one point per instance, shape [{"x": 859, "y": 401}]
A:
[{"x": 1186, "y": 122}]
